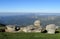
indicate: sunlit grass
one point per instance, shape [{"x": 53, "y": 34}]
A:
[{"x": 29, "y": 36}]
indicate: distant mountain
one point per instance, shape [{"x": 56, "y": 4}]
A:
[{"x": 29, "y": 18}]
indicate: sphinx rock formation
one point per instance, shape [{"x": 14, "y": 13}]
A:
[{"x": 36, "y": 27}]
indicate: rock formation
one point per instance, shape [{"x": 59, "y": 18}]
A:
[
  {"x": 36, "y": 27},
  {"x": 51, "y": 28},
  {"x": 10, "y": 28}
]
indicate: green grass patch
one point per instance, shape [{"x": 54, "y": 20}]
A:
[{"x": 22, "y": 35}]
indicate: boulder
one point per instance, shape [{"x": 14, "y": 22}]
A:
[{"x": 51, "y": 28}]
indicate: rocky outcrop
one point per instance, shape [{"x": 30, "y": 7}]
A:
[{"x": 51, "y": 28}]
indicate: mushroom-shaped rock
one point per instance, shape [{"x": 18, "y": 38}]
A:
[
  {"x": 37, "y": 26},
  {"x": 51, "y": 28},
  {"x": 37, "y": 23}
]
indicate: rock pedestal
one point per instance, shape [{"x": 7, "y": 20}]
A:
[{"x": 37, "y": 26}]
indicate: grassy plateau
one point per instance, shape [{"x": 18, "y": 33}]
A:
[{"x": 22, "y": 35}]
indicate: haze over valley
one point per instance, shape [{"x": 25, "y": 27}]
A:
[{"x": 29, "y": 18}]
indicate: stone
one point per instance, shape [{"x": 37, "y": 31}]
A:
[
  {"x": 51, "y": 28},
  {"x": 37, "y": 23},
  {"x": 10, "y": 28}
]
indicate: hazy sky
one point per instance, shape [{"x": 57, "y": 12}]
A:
[{"x": 46, "y": 6}]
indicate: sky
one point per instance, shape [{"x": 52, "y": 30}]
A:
[{"x": 44, "y": 6}]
